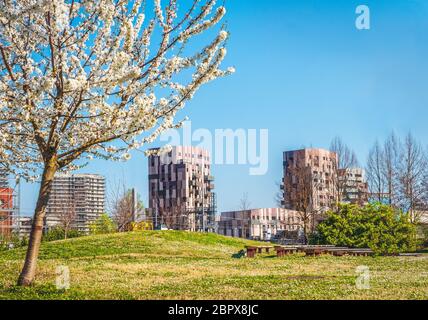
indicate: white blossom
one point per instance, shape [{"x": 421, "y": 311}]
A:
[{"x": 97, "y": 78}]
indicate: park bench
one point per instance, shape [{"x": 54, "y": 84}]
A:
[
  {"x": 284, "y": 250},
  {"x": 266, "y": 248},
  {"x": 252, "y": 250}
]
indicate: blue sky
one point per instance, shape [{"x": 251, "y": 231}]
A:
[{"x": 307, "y": 74}]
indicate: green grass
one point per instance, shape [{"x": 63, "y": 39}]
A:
[{"x": 181, "y": 265}]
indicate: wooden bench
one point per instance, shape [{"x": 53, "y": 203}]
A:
[
  {"x": 283, "y": 250},
  {"x": 252, "y": 250},
  {"x": 314, "y": 251}
]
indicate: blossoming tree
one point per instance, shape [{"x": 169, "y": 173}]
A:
[{"x": 95, "y": 79}]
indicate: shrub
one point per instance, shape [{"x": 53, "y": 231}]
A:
[
  {"x": 13, "y": 241},
  {"x": 58, "y": 233},
  {"x": 103, "y": 225},
  {"x": 376, "y": 226}
]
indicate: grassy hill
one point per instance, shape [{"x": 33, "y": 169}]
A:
[{"x": 181, "y": 265}]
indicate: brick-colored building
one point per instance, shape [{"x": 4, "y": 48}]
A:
[
  {"x": 258, "y": 224},
  {"x": 6, "y": 210},
  {"x": 310, "y": 175},
  {"x": 181, "y": 189}
]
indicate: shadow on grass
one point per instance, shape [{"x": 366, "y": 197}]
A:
[
  {"x": 47, "y": 291},
  {"x": 239, "y": 255}
]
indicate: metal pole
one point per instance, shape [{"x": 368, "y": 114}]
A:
[{"x": 133, "y": 204}]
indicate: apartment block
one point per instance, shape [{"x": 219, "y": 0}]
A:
[
  {"x": 77, "y": 197},
  {"x": 353, "y": 187},
  {"x": 310, "y": 178},
  {"x": 258, "y": 224},
  {"x": 181, "y": 188}
]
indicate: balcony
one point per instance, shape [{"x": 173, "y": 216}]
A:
[{"x": 209, "y": 178}]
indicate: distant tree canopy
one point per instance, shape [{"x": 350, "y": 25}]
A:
[{"x": 376, "y": 226}]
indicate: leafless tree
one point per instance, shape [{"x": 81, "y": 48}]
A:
[
  {"x": 68, "y": 216},
  {"x": 124, "y": 207},
  {"x": 302, "y": 186},
  {"x": 177, "y": 217},
  {"x": 346, "y": 160},
  {"x": 389, "y": 167},
  {"x": 413, "y": 169},
  {"x": 375, "y": 173},
  {"x": 244, "y": 203}
]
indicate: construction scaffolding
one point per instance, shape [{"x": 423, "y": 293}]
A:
[{"x": 10, "y": 220}]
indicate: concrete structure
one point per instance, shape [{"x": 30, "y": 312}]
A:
[
  {"x": 9, "y": 204},
  {"x": 353, "y": 187},
  {"x": 310, "y": 175},
  {"x": 79, "y": 197},
  {"x": 6, "y": 211},
  {"x": 181, "y": 189},
  {"x": 23, "y": 226},
  {"x": 258, "y": 224}
]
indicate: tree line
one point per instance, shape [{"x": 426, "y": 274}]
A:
[{"x": 397, "y": 174}]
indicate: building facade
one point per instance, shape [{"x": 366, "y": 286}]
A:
[
  {"x": 353, "y": 187},
  {"x": 310, "y": 180},
  {"x": 77, "y": 199},
  {"x": 181, "y": 188},
  {"x": 258, "y": 224},
  {"x": 6, "y": 211}
]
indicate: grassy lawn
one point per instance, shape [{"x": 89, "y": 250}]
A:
[{"x": 180, "y": 265}]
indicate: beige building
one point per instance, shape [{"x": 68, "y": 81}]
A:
[
  {"x": 309, "y": 182},
  {"x": 353, "y": 187},
  {"x": 181, "y": 189},
  {"x": 76, "y": 197},
  {"x": 258, "y": 224}
]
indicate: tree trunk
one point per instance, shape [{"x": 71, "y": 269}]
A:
[{"x": 28, "y": 272}]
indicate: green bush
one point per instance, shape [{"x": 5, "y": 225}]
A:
[
  {"x": 103, "y": 225},
  {"x": 424, "y": 235},
  {"x": 58, "y": 233},
  {"x": 13, "y": 241},
  {"x": 376, "y": 226}
]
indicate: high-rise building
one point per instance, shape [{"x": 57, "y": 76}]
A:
[
  {"x": 353, "y": 187},
  {"x": 77, "y": 199},
  {"x": 181, "y": 189},
  {"x": 310, "y": 179}
]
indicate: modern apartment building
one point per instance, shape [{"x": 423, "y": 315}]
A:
[
  {"x": 258, "y": 224},
  {"x": 181, "y": 188},
  {"x": 79, "y": 198},
  {"x": 310, "y": 180},
  {"x": 353, "y": 187}
]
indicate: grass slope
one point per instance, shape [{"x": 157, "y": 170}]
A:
[{"x": 181, "y": 265}]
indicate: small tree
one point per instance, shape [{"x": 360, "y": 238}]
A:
[
  {"x": 103, "y": 225},
  {"x": 67, "y": 216},
  {"x": 86, "y": 79},
  {"x": 126, "y": 208}
]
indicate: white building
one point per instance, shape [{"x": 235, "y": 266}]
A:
[
  {"x": 258, "y": 224},
  {"x": 77, "y": 197}
]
